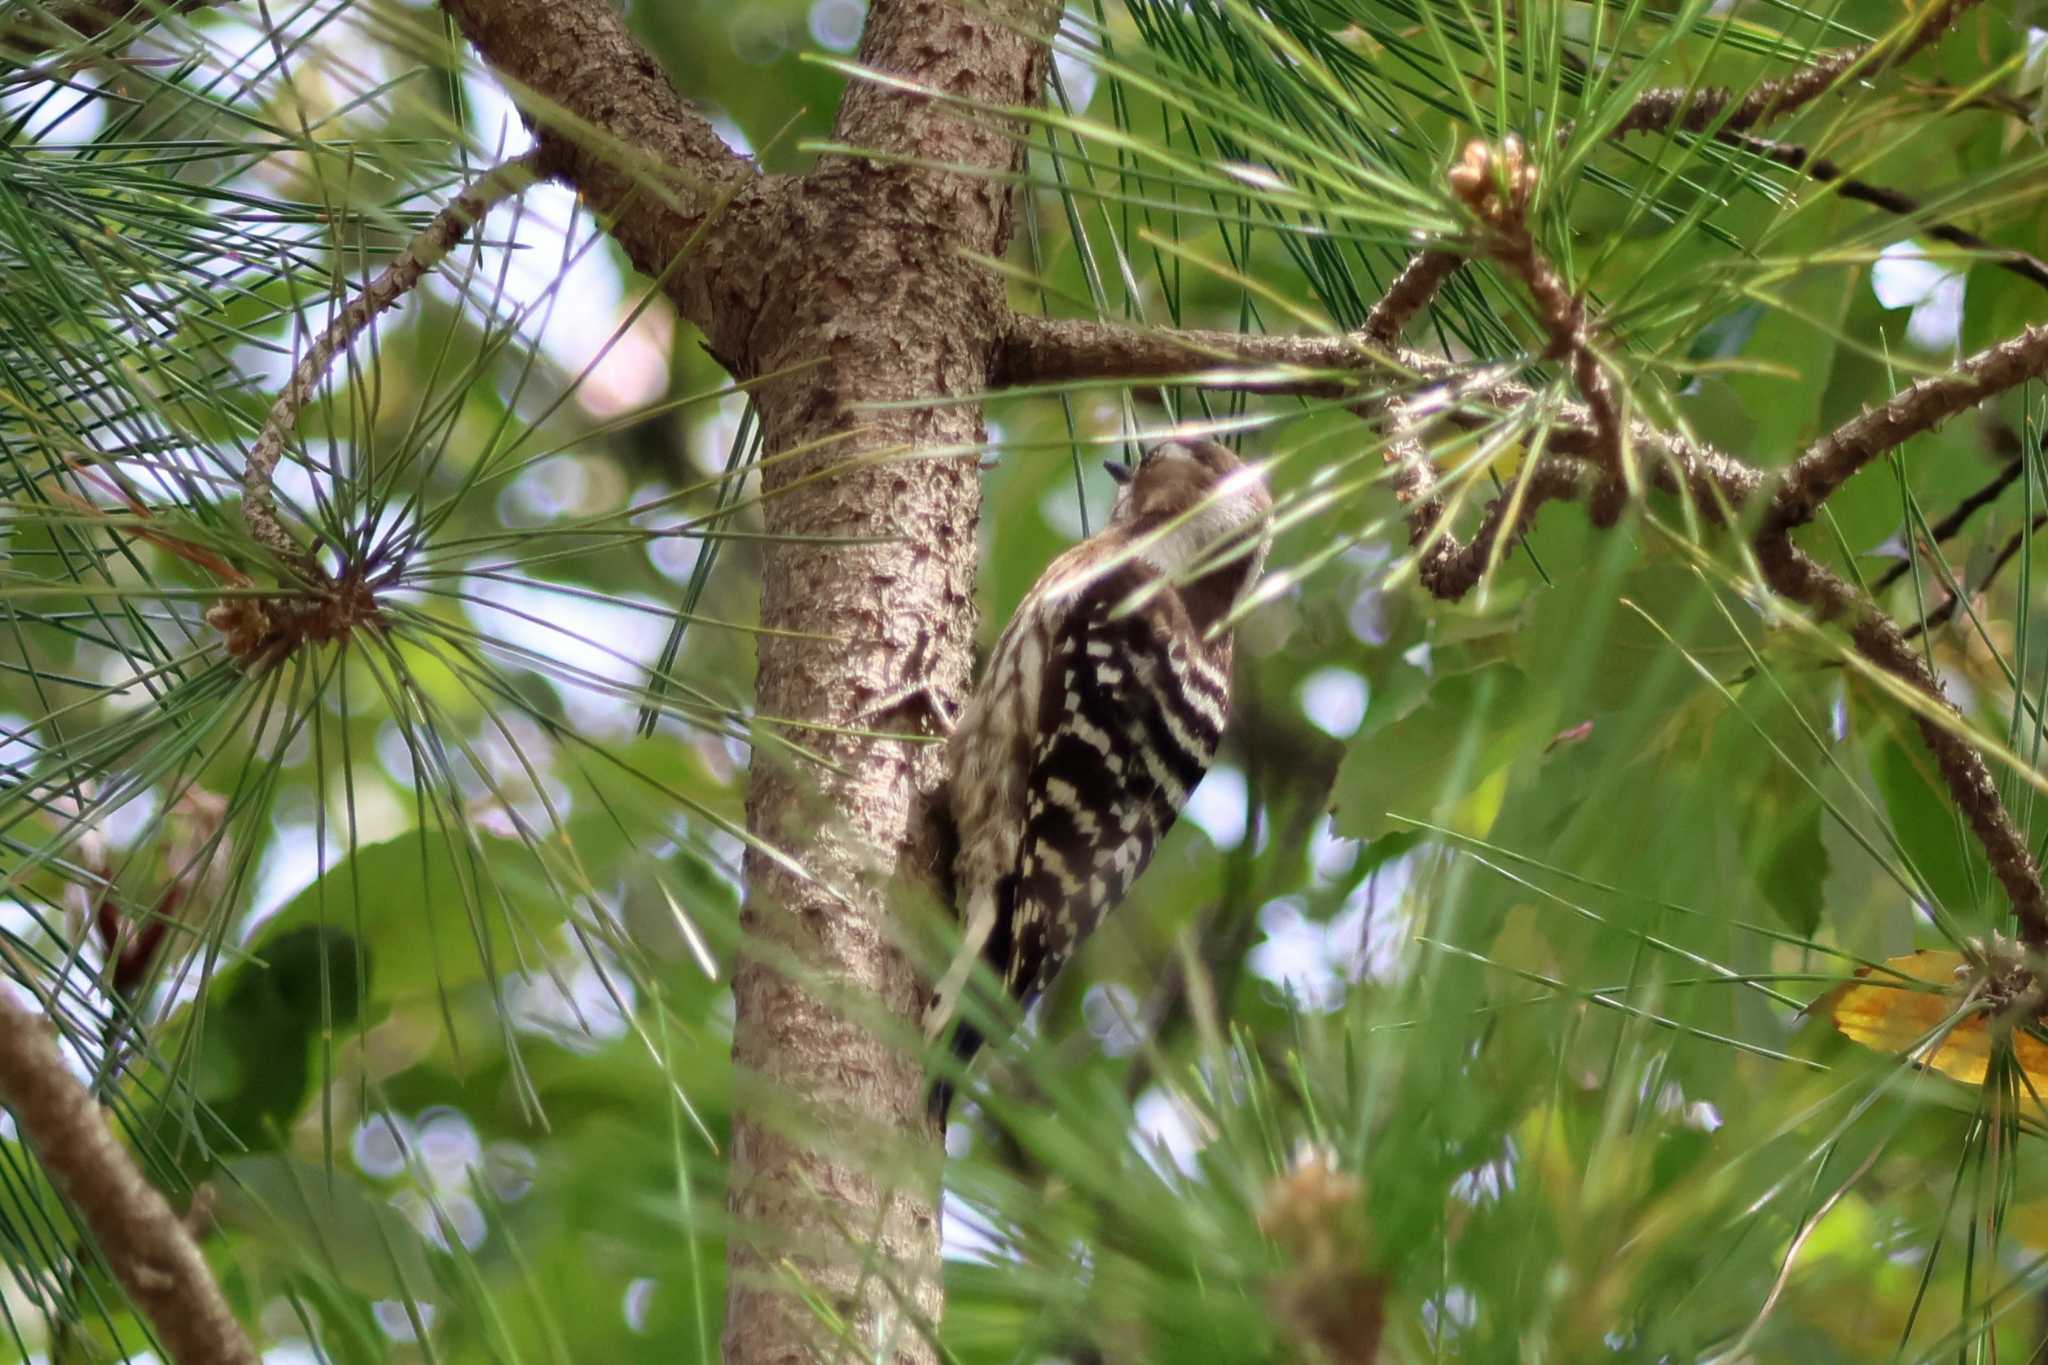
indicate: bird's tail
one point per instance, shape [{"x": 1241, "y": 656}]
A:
[{"x": 967, "y": 1041}]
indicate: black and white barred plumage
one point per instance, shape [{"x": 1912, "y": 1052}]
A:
[{"x": 1097, "y": 715}]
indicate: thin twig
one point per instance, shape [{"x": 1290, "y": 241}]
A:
[
  {"x": 259, "y": 509},
  {"x": 1944, "y": 613},
  {"x": 147, "y": 1246},
  {"x": 1945, "y": 529},
  {"x": 1795, "y": 157},
  {"x": 1740, "y": 1351},
  {"x": 1950, "y": 99},
  {"x": 1701, "y": 109}
]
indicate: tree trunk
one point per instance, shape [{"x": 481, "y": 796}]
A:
[
  {"x": 860, "y": 272},
  {"x": 877, "y": 285}
]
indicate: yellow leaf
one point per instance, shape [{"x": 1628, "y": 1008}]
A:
[
  {"x": 1454, "y": 457},
  {"x": 1928, "y": 1011}
]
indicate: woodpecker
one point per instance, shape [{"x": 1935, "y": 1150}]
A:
[{"x": 1099, "y": 711}]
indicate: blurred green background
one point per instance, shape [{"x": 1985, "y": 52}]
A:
[{"x": 1510, "y": 907}]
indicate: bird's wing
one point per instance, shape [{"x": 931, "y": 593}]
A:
[{"x": 1130, "y": 715}]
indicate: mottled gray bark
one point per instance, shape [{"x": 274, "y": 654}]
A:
[{"x": 860, "y": 273}]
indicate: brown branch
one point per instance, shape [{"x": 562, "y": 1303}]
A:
[
  {"x": 1450, "y": 570},
  {"x": 1811, "y": 479},
  {"x": 1712, "y": 480},
  {"x": 652, "y": 168},
  {"x": 31, "y": 32},
  {"x": 1795, "y": 157},
  {"x": 1699, "y": 110},
  {"x": 259, "y": 510},
  {"x": 148, "y": 1248},
  {"x": 1036, "y": 349},
  {"x": 1793, "y": 574},
  {"x": 1410, "y": 293},
  {"x": 1042, "y": 350},
  {"x": 1495, "y": 187},
  {"x": 1445, "y": 567}
]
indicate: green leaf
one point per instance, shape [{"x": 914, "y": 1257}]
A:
[
  {"x": 452, "y": 910},
  {"x": 1465, "y": 730},
  {"x": 1786, "y": 855},
  {"x": 326, "y": 1222},
  {"x": 1927, "y": 825},
  {"x": 255, "y": 1057}
]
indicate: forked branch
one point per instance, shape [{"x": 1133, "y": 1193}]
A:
[{"x": 1495, "y": 186}]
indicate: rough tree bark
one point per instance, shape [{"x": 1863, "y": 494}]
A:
[{"x": 860, "y": 272}]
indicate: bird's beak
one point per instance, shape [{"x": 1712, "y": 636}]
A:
[{"x": 1118, "y": 470}]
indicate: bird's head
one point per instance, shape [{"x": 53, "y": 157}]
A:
[{"x": 1185, "y": 501}]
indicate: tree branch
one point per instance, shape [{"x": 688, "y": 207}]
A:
[
  {"x": 1699, "y": 110},
  {"x": 650, "y": 165},
  {"x": 394, "y": 282},
  {"x": 145, "y": 1244},
  {"x": 1835, "y": 457},
  {"x": 33, "y": 31},
  {"x": 1795, "y": 157},
  {"x": 1450, "y": 570},
  {"x": 1494, "y": 186},
  {"x": 1036, "y": 349},
  {"x": 1793, "y": 574},
  {"x": 1419, "y": 281},
  {"x": 1042, "y": 350}
]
